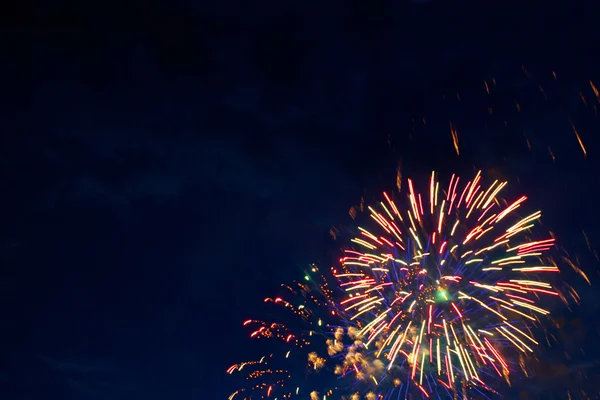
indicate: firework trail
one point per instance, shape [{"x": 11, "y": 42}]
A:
[{"x": 437, "y": 299}]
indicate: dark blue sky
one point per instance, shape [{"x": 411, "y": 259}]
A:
[{"x": 166, "y": 164}]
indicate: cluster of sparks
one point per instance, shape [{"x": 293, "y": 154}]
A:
[
  {"x": 589, "y": 95},
  {"x": 434, "y": 300}
]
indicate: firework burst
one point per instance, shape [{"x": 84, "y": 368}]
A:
[{"x": 438, "y": 297}]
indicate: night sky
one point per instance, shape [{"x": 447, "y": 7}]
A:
[{"x": 166, "y": 165}]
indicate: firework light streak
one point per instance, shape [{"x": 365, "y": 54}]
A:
[{"x": 438, "y": 293}]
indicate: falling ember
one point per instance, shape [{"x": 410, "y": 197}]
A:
[
  {"x": 595, "y": 89},
  {"x": 551, "y": 154},
  {"x": 434, "y": 299},
  {"x": 454, "y": 138},
  {"x": 579, "y": 139},
  {"x": 399, "y": 177}
]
